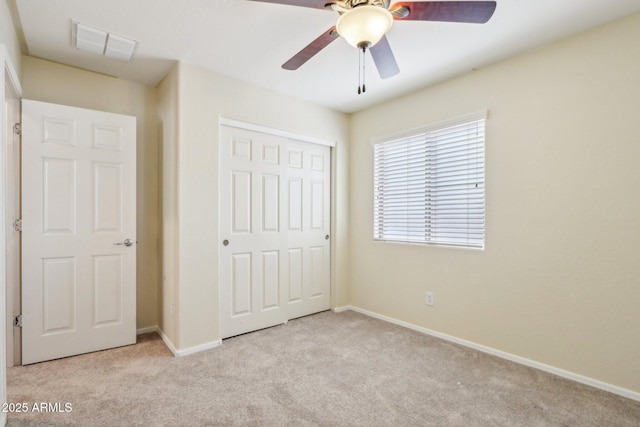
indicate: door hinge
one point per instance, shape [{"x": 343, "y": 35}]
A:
[
  {"x": 17, "y": 321},
  {"x": 17, "y": 129},
  {"x": 17, "y": 224}
]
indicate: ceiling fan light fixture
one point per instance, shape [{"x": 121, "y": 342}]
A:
[{"x": 364, "y": 26}]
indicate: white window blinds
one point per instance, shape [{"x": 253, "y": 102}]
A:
[{"x": 429, "y": 186}]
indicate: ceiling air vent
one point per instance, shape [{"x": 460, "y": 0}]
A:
[
  {"x": 98, "y": 41},
  {"x": 119, "y": 48}
]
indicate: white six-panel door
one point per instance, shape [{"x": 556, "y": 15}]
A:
[
  {"x": 78, "y": 206},
  {"x": 307, "y": 228},
  {"x": 274, "y": 227}
]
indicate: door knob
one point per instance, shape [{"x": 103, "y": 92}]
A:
[
  {"x": 326, "y": 237},
  {"x": 225, "y": 242},
  {"x": 127, "y": 242}
]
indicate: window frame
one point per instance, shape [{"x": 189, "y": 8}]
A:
[{"x": 409, "y": 133}]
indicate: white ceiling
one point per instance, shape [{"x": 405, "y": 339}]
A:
[{"x": 249, "y": 41}]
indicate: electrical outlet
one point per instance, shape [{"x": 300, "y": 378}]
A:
[{"x": 429, "y": 300}]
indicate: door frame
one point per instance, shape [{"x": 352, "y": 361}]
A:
[
  {"x": 226, "y": 121},
  {"x": 10, "y": 88}
]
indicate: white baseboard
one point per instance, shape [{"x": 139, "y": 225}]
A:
[
  {"x": 172, "y": 347},
  {"x": 147, "y": 330},
  {"x": 630, "y": 394},
  {"x": 198, "y": 348},
  {"x": 168, "y": 342},
  {"x": 160, "y": 332},
  {"x": 189, "y": 350}
]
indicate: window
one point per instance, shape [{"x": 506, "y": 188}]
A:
[{"x": 429, "y": 185}]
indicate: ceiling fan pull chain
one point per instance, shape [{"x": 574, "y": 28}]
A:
[
  {"x": 364, "y": 69},
  {"x": 361, "y": 70},
  {"x": 359, "y": 74}
]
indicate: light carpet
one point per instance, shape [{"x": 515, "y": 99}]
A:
[{"x": 328, "y": 369}]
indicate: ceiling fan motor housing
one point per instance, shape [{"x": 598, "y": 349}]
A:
[{"x": 350, "y": 4}]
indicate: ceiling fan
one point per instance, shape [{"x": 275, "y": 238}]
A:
[{"x": 364, "y": 24}]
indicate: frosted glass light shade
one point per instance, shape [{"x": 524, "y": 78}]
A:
[{"x": 364, "y": 26}]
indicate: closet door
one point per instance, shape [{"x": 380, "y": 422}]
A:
[
  {"x": 308, "y": 213},
  {"x": 274, "y": 223}
]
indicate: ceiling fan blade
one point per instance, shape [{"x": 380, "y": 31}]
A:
[
  {"x": 477, "y": 12},
  {"x": 311, "y": 49},
  {"x": 384, "y": 59},
  {"x": 315, "y": 4}
]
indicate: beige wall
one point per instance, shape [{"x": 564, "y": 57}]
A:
[
  {"x": 559, "y": 280},
  {"x": 61, "y": 84},
  {"x": 168, "y": 170},
  {"x": 202, "y": 98}
]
